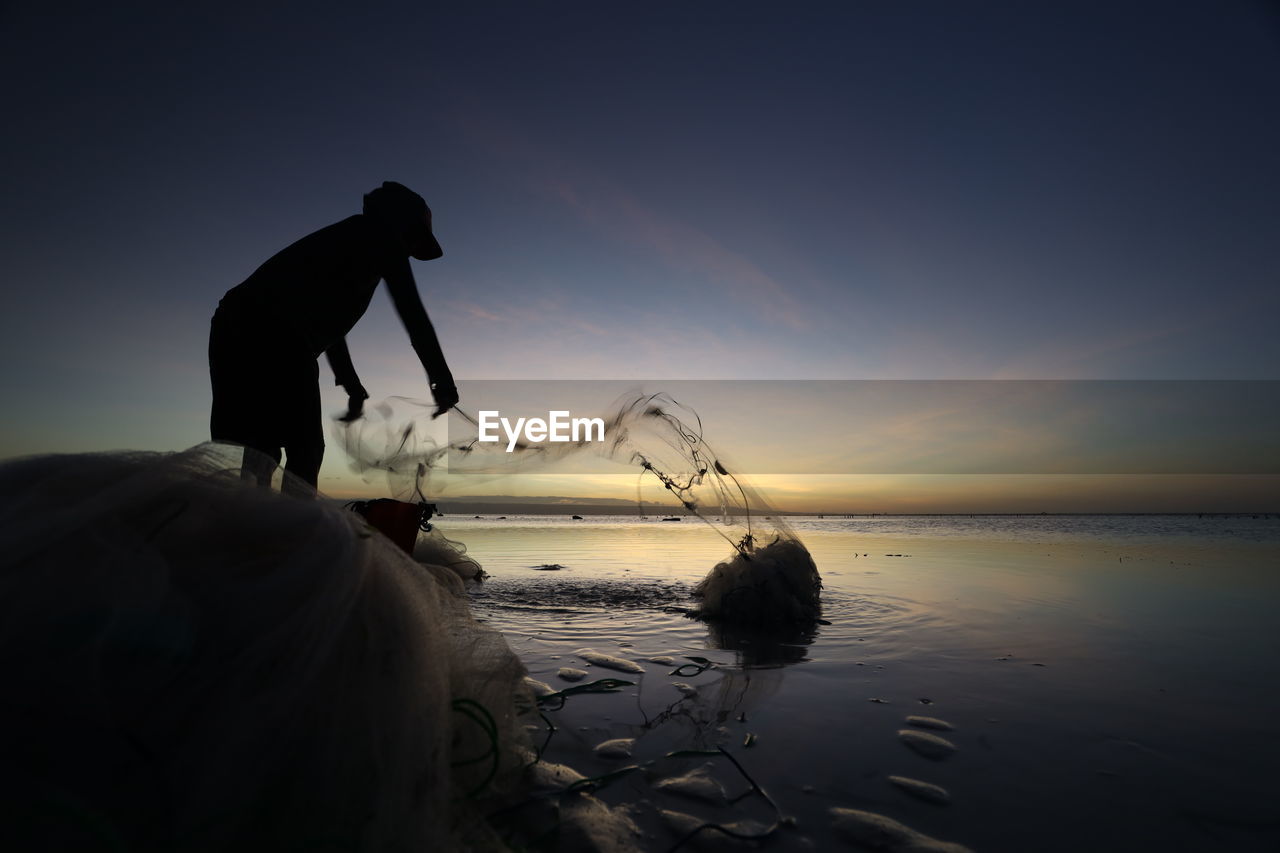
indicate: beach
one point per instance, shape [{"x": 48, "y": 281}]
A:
[{"x": 1099, "y": 682}]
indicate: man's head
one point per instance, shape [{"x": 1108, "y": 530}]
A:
[{"x": 406, "y": 213}]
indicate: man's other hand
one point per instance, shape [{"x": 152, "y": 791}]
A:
[
  {"x": 355, "y": 403},
  {"x": 446, "y": 397}
]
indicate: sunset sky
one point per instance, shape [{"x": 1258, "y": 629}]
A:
[{"x": 662, "y": 192}]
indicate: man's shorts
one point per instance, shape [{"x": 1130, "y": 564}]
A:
[{"x": 266, "y": 391}]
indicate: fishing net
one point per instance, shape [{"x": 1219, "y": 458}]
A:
[
  {"x": 193, "y": 663},
  {"x": 769, "y": 576}
]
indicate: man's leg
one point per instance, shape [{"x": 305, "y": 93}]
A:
[
  {"x": 242, "y": 411},
  {"x": 304, "y": 464},
  {"x": 304, "y": 444},
  {"x": 259, "y": 465}
]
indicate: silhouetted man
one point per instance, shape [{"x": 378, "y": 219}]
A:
[{"x": 268, "y": 332}]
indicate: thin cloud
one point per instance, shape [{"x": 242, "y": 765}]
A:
[
  {"x": 1070, "y": 358},
  {"x": 621, "y": 217},
  {"x": 625, "y": 219},
  {"x": 476, "y": 311}
]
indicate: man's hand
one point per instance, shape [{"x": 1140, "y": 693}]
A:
[
  {"x": 356, "y": 395},
  {"x": 446, "y": 397}
]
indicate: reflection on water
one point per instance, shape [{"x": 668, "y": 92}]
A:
[
  {"x": 774, "y": 645},
  {"x": 1107, "y": 677}
]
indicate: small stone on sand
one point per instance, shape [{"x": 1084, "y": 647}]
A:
[
  {"x": 608, "y": 661},
  {"x": 686, "y": 689},
  {"x": 587, "y": 823},
  {"x": 663, "y": 660},
  {"x": 881, "y": 833},
  {"x": 553, "y": 777},
  {"x": 697, "y": 784},
  {"x": 616, "y": 748},
  {"x": 929, "y": 723},
  {"x": 930, "y": 746},
  {"x": 682, "y": 824},
  {"x": 922, "y": 790},
  {"x": 539, "y": 688},
  {"x": 568, "y": 673}
]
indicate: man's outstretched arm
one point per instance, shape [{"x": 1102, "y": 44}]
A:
[
  {"x": 422, "y": 335},
  {"x": 344, "y": 374}
]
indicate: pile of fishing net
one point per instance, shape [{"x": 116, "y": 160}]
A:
[
  {"x": 771, "y": 585},
  {"x": 193, "y": 663}
]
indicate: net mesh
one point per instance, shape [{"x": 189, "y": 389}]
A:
[{"x": 657, "y": 437}]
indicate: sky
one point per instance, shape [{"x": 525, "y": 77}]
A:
[{"x": 651, "y": 193}]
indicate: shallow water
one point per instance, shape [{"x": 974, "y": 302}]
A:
[{"x": 1111, "y": 681}]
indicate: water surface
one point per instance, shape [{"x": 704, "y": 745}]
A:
[{"x": 1111, "y": 680}]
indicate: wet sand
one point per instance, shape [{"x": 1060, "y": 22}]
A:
[{"x": 1000, "y": 695}]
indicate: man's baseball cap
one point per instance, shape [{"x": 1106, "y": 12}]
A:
[{"x": 401, "y": 207}]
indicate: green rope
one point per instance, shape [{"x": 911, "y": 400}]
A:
[
  {"x": 700, "y": 665},
  {"x": 480, "y": 715},
  {"x": 603, "y": 685}
]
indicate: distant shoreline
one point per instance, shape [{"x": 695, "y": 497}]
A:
[{"x": 493, "y": 509}]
